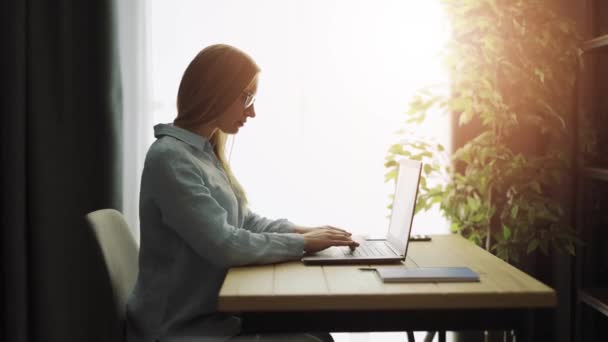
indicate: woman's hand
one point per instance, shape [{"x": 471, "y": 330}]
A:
[
  {"x": 304, "y": 230},
  {"x": 317, "y": 239}
]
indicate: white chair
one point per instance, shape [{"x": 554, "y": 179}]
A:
[{"x": 120, "y": 255}]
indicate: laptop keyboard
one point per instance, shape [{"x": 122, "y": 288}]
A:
[{"x": 369, "y": 249}]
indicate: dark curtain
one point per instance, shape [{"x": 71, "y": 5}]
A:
[{"x": 60, "y": 139}]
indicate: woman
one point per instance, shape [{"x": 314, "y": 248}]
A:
[{"x": 195, "y": 223}]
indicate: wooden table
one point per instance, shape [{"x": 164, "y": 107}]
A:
[{"x": 293, "y": 297}]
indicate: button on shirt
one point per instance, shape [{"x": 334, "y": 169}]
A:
[{"x": 192, "y": 230}]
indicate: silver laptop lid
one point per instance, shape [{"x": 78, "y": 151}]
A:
[{"x": 404, "y": 204}]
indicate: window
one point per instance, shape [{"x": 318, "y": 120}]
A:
[{"x": 336, "y": 79}]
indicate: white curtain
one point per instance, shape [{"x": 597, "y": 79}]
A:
[
  {"x": 336, "y": 79},
  {"x": 137, "y": 117}
]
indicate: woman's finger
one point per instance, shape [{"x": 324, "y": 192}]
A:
[
  {"x": 338, "y": 233},
  {"x": 339, "y": 229},
  {"x": 344, "y": 243},
  {"x": 341, "y": 238}
]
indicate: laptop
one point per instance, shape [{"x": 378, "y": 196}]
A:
[{"x": 393, "y": 248}]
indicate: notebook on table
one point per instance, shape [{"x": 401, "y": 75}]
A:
[
  {"x": 394, "y": 247},
  {"x": 426, "y": 274}
]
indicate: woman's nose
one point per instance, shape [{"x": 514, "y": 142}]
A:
[{"x": 250, "y": 111}]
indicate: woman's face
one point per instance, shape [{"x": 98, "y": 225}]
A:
[{"x": 237, "y": 113}]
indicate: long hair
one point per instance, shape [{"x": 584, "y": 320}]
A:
[{"x": 213, "y": 80}]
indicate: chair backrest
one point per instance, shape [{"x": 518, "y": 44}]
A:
[{"x": 120, "y": 254}]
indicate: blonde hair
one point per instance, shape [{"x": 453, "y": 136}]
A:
[{"x": 213, "y": 80}]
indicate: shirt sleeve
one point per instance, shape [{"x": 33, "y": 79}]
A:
[
  {"x": 259, "y": 224},
  {"x": 186, "y": 205}
]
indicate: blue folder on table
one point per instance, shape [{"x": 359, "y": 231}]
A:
[{"x": 426, "y": 274}]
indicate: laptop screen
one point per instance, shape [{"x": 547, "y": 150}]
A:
[{"x": 404, "y": 204}]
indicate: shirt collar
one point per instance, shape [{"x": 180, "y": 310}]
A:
[{"x": 184, "y": 135}]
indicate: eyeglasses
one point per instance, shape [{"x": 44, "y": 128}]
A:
[{"x": 249, "y": 99}]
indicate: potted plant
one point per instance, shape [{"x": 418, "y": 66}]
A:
[{"x": 512, "y": 67}]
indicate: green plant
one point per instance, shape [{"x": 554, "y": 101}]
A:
[{"x": 512, "y": 67}]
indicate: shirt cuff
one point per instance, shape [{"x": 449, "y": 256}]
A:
[{"x": 295, "y": 245}]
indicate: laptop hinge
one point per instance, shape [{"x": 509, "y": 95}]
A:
[{"x": 393, "y": 249}]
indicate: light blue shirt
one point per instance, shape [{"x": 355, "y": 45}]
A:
[{"x": 192, "y": 230}]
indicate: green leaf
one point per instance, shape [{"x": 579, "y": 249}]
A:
[
  {"x": 515, "y": 255},
  {"x": 465, "y": 118},
  {"x": 479, "y": 217},
  {"x": 396, "y": 149},
  {"x": 536, "y": 186},
  {"x": 540, "y": 74},
  {"x": 503, "y": 253},
  {"x": 552, "y": 111},
  {"x": 570, "y": 248},
  {"x": 427, "y": 169},
  {"x": 532, "y": 245},
  {"x": 462, "y": 212},
  {"x": 423, "y": 182},
  {"x": 460, "y": 104},
  {"x": 390, "y": 175},
  {"x": 473, "y": 203},
  {"x": 506, "y": 232},
  {"x": 440, "y": 148},
  {"x": 390, "y": 163},
  {"x": 514, "y": 211},
  {"x": 531, "y": 215},
  {"x": 416, "y": 119}
]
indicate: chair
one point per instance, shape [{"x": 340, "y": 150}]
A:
[{"x": 120, "y": 255}]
